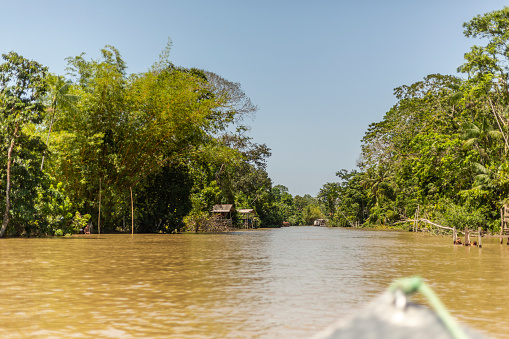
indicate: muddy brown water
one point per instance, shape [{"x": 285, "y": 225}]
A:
[{"x": 279, "y": 283}]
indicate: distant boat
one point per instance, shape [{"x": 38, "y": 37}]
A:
[{"x": 320, "y": 222}]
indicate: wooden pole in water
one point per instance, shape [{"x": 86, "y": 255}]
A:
[
  {"x": 501, "y": 225},
  {"x": 417, "y": 218},
  {"x": 132, "y": 211},
  {"x": 416, "y": 221},
  {"x": 479, "y": 237},
  {"x": 467, "y": 237},
  {"x": 454, "y": 236},
  {"x": 99, "y": 216}
]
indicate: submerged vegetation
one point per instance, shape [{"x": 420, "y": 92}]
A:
[{"x": 442, "y": 149}]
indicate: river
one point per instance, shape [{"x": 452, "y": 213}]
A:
[{"x": 274, "y": 283}]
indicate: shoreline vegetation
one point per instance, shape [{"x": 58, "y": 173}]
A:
[
  {"x": 441, "y": 152},
  {"x": 102, "y": 151},
  {"x": 153, "y": 152}
]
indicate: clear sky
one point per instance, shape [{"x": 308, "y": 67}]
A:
[{"x": 319, "y": 71}]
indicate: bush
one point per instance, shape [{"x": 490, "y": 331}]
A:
[
  {"x": 195, "y": 220},
  {"x": 78, "y": 222},
  {"x": 459, "y": 216}
]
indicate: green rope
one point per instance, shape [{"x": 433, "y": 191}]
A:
[{"x": 416, "y": 284}]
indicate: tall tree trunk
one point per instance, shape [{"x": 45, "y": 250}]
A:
[
  {"x": 132, "y": 211},
  {"x": 8, "y": 184},
  {"x": 47, "y": 138},
  {"x": 99, "y": 215},
  {"x": 497, "y": 117}
]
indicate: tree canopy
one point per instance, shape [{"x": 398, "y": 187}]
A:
[
  {"x": 81, "y": 143},
  {"x": 442, "y": 147}
]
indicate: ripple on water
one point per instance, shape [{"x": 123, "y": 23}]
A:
[{"x": 287, "y": 282}]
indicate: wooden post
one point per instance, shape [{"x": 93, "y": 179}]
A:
[
  {"x": 99, "y": 216},
  {"x": 504, "y": 222},
  {"x": 501, "y": 224},
  {"x": 479, "y": 237},
  {"x": 417, "y": 219},
  {"x": 454, "y": 236},
  {"x": 467, "y": 237},
  {"x": 132, "y": 211}
]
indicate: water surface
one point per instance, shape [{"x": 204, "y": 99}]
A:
[{"x": 279, "y": 283}]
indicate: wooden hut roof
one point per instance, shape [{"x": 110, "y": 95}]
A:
[
  {"x": 222, "y": 208},
  {"x": 245, "y": 210}
]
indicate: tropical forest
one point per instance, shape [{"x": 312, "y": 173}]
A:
[
  {"x": 145, "y": 153},
  {"x": 442, "y": 150},
  {"x": 153, "y": 152}
]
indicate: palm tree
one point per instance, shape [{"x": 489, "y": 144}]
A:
[
  {"x": 59, "y": 97},
  {"x": 478, "y": 135},
  {"x": 379, "y": 182},
  {"x": 485, "y": 179}
]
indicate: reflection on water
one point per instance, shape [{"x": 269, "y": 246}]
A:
[{"x": 288, "y": 282}]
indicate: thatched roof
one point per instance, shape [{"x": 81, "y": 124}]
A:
[{"x": 222, "y": 208}]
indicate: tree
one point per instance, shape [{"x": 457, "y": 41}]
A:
[
  {"x": 22, "y": 85},
  {"x": 164, "y": 200},
  {"x": 329, "y": 194},
  {"x": 283, "y": 202},
  {"x": 58, "y": 96},
  {"x": 235, "y": 104},
  {"x": 480, "y": 136},
  {"x": 311, "y": 213},
  {"x": 487, "y": 65},
  {"x": 353, "y": 200},
  {"x": 300, "y": 205},
  {"x": 125, "y": 130},
  {"x": 445, "y": 142}
]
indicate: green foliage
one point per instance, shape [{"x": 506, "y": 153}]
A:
[
  {"x": 459, "y": 216},
  {"x": 164, "y": 200},
  {"x": 22, "y": 86},
  {"x": 329, "y": 195},
  {"x": 310, "y": 213},
  {"x": 71, "y": 226},
  {"x": 283, "y": 203},
  {"x": 54, "y": 207},
  {"x": 442, "y": 147},
  {"x": 78, "y": 223},
  {"x": 352, "y": 201},
  {"x": 127, "y": 132},
  {"x": 172, "y": 135},
  {"x": 300, "y": 209},
  {"x": 176, "y": 137},
  {"x": 204, "y": 198},
  {"x": 196, "y": 220},
  {"x": 58, "y": 97}
]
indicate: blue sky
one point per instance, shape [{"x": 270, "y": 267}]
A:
[{"x": 319, "y": 71}]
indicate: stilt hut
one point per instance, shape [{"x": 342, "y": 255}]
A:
[
  {"x": 223, "y": 211},
  {"x": 247, "y": 217},
  {"x": 222, "y": 218}
]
